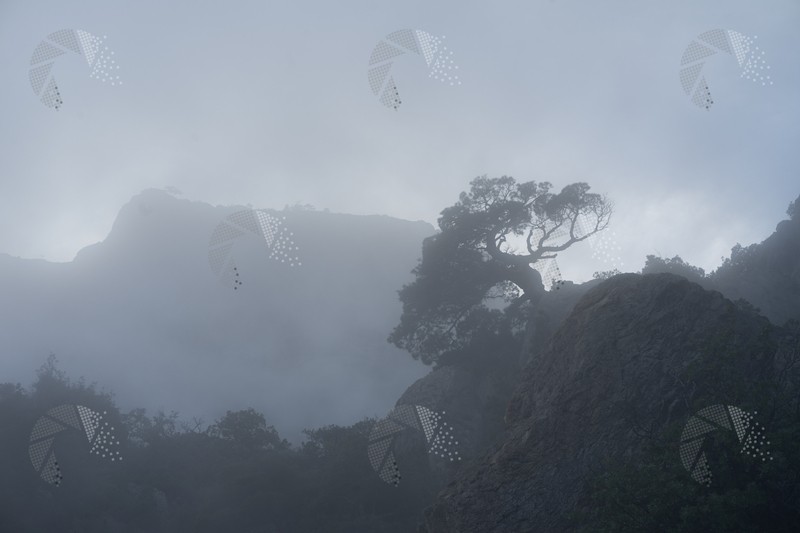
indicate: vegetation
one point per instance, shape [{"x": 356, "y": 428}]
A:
[
  {"x": 606, "y": 274},
  {"x": 794, "y": 209},
  {"x": 473, "y": 257},
  {"x": 676, "y": 265},
  {"x": 238, "y": 474},
  {"x": 235, "y": 475},
  {"x": 653, "y": 492}
]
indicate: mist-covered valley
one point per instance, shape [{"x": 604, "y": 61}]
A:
[
  {"x": 286, "y": 411},
  {"x": 375, "y": 267},
  {"x": 144, "y": 314}
]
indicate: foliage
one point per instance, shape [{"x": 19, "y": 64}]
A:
[
  {"x": 473, "y": 256},
  {"x": 144, "y": 430},
  {"x": 606, "y": 274},
  {"x": 676, "y": 265},
  {"x": 237, "y": 475},
  {"x": 248, "y": 429},
  {"x": 794, "y": 209},
  {"x": 738, "y": 262}
]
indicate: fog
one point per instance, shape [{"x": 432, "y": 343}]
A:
[
  {"x": 110, "y": 200},
  {"x": 268, "y": 104}
]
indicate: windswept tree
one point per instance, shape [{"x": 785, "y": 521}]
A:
[{"x": 475, "y": 255}]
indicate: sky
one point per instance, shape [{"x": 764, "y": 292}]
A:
[{"x": 268, "y": 104}]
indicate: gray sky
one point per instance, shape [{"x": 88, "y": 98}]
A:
[{"x": 267, "y": 103}]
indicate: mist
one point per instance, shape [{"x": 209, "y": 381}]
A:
[{"x": 343, "y": 266}]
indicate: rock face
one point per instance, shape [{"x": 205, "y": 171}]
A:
[
  {"x": 546, "y": 317},
  {"x": 474, "y": 389},
  {"x": 767, "y": 274},
  {"x": 619, "y": 362},
  {"x": 474, "y": 403}
]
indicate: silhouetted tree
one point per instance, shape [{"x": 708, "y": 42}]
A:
[
  {"x": 236, "y": 476},
  {"x": 474, "y": 254},
  {"x": 676, "y": 265},
  {"x": 247, "y": 428},
  {"x": 794, "y": 209},
  {"x": 739, "y": 261},
  {"x": 144, "y": 431}
]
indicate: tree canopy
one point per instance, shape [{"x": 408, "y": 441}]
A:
[
  {"x": 247, "y": 428},
  {"x": 794, "y": 209},
  {"x": 475, "y": 255},
  {"x": 235, "y": 475},
  {"x": 676, "y": 265}
]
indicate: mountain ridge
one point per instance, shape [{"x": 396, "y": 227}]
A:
[{"x": 147, "y": 293}]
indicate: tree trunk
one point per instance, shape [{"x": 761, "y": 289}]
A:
[{"x": 527, "y": 279}]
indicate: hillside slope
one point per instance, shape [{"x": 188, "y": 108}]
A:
[
  {"x": 636, "y": 352},
  {"x": 143, "y": 314}
]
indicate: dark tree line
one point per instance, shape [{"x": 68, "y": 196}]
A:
[{"x": 236, "y": 474}]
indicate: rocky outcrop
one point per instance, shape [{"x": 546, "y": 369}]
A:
[
  {"x": 767, "y": 274},
  {"x": 625, "y": 358},
  {"x": 544, "y": 318},
  {"x": 474, "y": 388}
]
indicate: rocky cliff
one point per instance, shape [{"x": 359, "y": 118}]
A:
[
  {"x": 475, "y": 386},
  {"x": 766, "y": 274},
  {"x": 636, "y": 351}
]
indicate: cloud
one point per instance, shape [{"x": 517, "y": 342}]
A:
[{"x": 249, "y": 103}]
